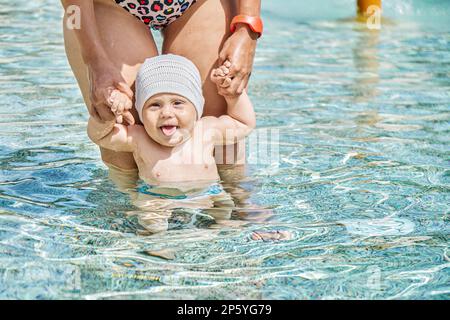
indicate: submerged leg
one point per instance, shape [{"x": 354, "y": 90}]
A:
[{"x": 273, "y": 235}]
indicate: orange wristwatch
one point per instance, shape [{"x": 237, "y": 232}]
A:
[{"x": 255, "y": 23}]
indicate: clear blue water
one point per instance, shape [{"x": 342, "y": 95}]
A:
[{"x": 362, "y": 181}]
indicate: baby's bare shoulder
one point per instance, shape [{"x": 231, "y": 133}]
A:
[
  {"x": 207, "y": 125},
  {"x": 141, "y": 138},
  {"x": 136, "y": 129},
  {"x": 205, "y": 130},
  {"x": 206, "y": 121}
]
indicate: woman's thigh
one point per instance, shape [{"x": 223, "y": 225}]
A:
[
  {"x": 199, "y": 35},
  {"x": 128, "y": 43}
]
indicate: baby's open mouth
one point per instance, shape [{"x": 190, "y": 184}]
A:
[{"x": 168, "y": 130}]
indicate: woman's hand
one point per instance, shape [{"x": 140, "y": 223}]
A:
[
  {"x": 239, "y": 49},
  {"x": 104, "y": 79}
]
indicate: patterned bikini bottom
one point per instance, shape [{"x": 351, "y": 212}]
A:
[{"x": 156, "y": 14}]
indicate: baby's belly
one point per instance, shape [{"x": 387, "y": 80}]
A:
[{"x": 178, "y": 173}]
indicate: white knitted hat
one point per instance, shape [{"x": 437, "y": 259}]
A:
[{"x": 169, "y": 73}]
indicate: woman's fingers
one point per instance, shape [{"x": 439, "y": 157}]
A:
[
  {"x": 125, "y": 88},
  {"x": 226, "y": 82},
  {"x": 232, "y": 89},
  {"x": 104, "y": 112},
  {"x": 93, "y": 112},
  {"x": 239, "y": 81},
  {"x": 242, "y": 86}
]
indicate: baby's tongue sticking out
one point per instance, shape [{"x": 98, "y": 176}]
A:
[{"x": 168, "y": 130}]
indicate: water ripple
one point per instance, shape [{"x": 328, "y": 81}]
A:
[{"x": 362, "y": 181}]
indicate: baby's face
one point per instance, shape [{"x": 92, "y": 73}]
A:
[{"x": 169, "y": 118}]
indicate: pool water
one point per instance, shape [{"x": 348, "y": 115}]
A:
[{"x": 362, "y": 180}]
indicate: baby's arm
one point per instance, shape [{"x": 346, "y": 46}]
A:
[
  {"x": 112, "y": 135},
  {"x": 240, "y": 119}
]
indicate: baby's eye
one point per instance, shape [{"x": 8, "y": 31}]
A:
[
  {"x": 154, "y": 105},
  {"x": 178, "y": 103}
]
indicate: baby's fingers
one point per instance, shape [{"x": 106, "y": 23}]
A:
[
  {"x": 118, "y": 106},
  {"x": 112, "y": 101},
  {"x": 220, "y": 72},
  {"x": 128, "y": 103},
  {"x": 215, "y": 77},
  {"x": 122, "y": 103},
  {"x": 125, "y": 101},
  {"x": 128, "y": 118},
  {"x": 224, "y": 70},
  {"x": 118, "y": 109}
]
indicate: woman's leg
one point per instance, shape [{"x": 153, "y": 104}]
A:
[
  {"x": 128, "y": 42},
  {"x": 199, "y": 35}
]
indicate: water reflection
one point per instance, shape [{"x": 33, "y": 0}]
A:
[
  {"x": 363, "y": 179},
  {"x": 366, "y": 63},
  {"x": 206, "y": 205}
]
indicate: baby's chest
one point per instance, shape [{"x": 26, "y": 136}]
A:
[
  {"x": 179, "y": 167},
  {"x": 174, "y": 171}
]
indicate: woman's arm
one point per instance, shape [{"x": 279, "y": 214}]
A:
[
  {"x": 250, "y": 7},
  {"x": 87, "y": 35},
  {"x": 104, "y": 77},
  {"x": 240, "y": 49}
]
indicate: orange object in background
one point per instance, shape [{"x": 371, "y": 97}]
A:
[{"x": 363, "y": 5}]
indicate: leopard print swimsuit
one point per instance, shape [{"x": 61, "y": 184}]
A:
[{"x": 157, "y": 14}]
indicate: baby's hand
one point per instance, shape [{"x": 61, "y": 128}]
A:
[
  {"x": 220, "y": 75},
  {"x": 121, "y": 105}
]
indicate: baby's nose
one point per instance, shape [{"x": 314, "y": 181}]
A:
[{"x": 167, "y": 111}]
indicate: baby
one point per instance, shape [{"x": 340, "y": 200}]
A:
[{"x": 174, "y": 143}]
